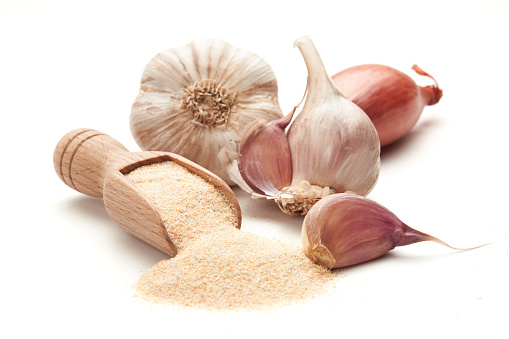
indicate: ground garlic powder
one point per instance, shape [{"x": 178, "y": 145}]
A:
[{"x": 218, "y": 266}]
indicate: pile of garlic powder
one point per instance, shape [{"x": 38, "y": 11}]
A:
[{"x": 218, "y": 266}]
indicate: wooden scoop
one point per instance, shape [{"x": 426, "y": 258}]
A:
[{"x": 95, "y": 164}]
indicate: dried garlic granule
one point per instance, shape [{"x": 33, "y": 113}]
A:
[
  {"x": 218, "y": 266},
  {"x": 189, "y": 205}
]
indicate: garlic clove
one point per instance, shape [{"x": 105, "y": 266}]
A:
[
  {"x": 197, "y": 99},
  {"x": 265, "y": 162},
  {"x": 333, "y": 143},
  {"x": 347, "y": 229}
]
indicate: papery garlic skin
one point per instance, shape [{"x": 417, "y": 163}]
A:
[
  {"x": 333, "y": 143},
  {"x": 196, "y": 100}
]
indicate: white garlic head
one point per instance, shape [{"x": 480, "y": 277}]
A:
[{"x": 196, "y": 100}]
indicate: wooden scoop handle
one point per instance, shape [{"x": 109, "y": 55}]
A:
[{"x": 82, "y": 159}]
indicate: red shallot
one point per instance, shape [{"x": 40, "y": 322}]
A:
[{"x": 392, "y": 99}]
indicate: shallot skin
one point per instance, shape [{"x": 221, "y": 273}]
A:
[{"x": 391, "y": 98}]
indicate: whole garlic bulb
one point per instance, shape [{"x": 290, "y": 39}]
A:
[
  {"x": 331, "y": 147},
  {"x": 196, "y": 100}
]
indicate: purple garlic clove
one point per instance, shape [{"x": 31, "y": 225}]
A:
[
  {"x": 265, "y": 162},
  {"x": 346, "y": 229}
]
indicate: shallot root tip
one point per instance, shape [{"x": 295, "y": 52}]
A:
[{"x": 437, "y": 95}]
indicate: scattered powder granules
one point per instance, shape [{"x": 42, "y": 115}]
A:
[{"x": 217, "y": 265}]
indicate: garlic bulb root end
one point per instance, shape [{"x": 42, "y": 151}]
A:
[
  {"x": 209, "y": 103},
  {"x": 298, "y": 199}
]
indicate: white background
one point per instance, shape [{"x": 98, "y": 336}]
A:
[{"x": 67, "y": 270}]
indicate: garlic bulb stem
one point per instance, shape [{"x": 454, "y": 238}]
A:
[{"x": 317, "y": 75}]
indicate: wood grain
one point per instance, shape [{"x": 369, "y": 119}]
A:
[{"x": 95, "y": 164}]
